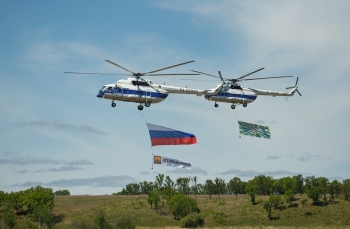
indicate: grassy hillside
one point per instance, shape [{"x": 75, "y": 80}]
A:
[{"x": 226, "y": 212}]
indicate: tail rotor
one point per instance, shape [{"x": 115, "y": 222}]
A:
[{"x": 295, "y": 86}]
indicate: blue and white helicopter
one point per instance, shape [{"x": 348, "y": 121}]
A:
[
  {"x": 138, "y": 90},
  {"x": 231, "y": 92}
]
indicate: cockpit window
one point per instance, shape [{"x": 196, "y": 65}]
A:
[
  {"x": 102, "y": 88},
  {"x": 140, "y": 83}
]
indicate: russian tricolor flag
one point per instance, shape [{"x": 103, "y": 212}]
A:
[{"x": 164, "y": 136}]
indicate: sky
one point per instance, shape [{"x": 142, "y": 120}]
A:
[{"x": 56, "y": 133}]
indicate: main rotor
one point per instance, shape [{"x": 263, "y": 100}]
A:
[
  {"x": 138, "y": 75},
  {"x": 235, "y": 80}
]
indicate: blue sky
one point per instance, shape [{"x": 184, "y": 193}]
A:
[{"x": 56, "y": 133}]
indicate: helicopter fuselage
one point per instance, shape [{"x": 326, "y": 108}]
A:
[
  {"x": 234, "y": 94},
  {"x": 132, "y": 90}
]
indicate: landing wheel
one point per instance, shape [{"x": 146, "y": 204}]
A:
[
  {"x": 216, "y": 105},
  {"x": 113, "y": 104},
  {"x": 147, "y": 104},
  {"x": 233, "y": 106},
  {"x": 140, "y": 107},
  {"x": 244, "y": 104}
]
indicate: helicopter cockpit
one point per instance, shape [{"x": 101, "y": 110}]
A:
[{"x": 236, "y": 86}]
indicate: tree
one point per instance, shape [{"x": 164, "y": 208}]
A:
[
  {"x": 346, "y": 188},
  {"x": 154, "y": 198},
  {"x": 264, "y": 184},
  {"x": 235, "y": 185},
  {"x": 268, "y": 207},
  {"x": 289, "y": 197},
  {"x": 334, "y": 189},
  {"x": 276, "y": 200},
  {"x": 42, "y": 214},
  {"x": 314, "y": 193},
  {"x": 303, "y": 202},
  {"x": 252, "y": 190},
  {"x": 9, "y": 217},
  {"x": 181, "y": 205},
  {"x": 194, "y": 181},
  {"x": 62, "y": 193},
  {"x": 299, "y": 184},
  {"x": 159, "y": 180},
  {"x": 209, "y": 187}
]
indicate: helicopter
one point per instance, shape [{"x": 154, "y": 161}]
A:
[
  {"x": 232, "y": 92},
  {"x": 138, "y": 90}
]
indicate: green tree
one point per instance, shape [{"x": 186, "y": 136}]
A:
[
  {"x": 299, "y": 184},
  {"x": 154, "y": 198},
  {"x": 346, "y": 189},
  {"x": 9, "y": 217},
  {"x": 62, "y": 192},
  {"x": 42, "y": 215},
  {"x": 159, "y": 180},
  {"x": 334, "y": 189},
  {"x": 314, "y": 193},
  {"x": 235, "y": 185},
  {"x": 276, "y": 200},
  {"x": 209, "y": 187},
  {"x": 289, "y": 197},
  {"x": 268, "y": 207},
  {"x": 252, "y": 190},
  {"x": 303, "y": 202},
  {"x": 180, "y": 206}
]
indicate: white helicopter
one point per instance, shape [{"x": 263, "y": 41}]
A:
[
  {"x": 232, "y": 92},
  {"x": 138, "y": 90}
]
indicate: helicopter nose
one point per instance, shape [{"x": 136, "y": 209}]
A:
[{"x": 99, "y": 95}]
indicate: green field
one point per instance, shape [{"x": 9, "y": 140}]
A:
[{"x": 80, "y": 212}]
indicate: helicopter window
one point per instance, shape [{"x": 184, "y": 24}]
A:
[
  {"x": 237, "y": 87},
  {"x": 140, "y": 83},
  {"x": 102, "y": 88}
]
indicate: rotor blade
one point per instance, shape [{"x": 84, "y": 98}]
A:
[
  {"x": 205, "y": 74},
  {"x": 298, "y": 92},
  {"x": 95, "y": 73},
  {"x": 250, "y": 73},
  {"x": 289, "y": 87},
  {"x": 185, "y": 74},
  {"x": 198, "y": 80},
  {"x": 297, "y": 81},
  {"x": 221, "y": 77},
  {"x": 169, "y": 67},
  {"x": 111, "y": 62},
  {"x": 265, "y": 78}
]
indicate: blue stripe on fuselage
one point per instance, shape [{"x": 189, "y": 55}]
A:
[
  {"x": 127, "y": 91},
  {"x": 229, "y": 95}
]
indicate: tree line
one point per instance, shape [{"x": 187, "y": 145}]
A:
[
  {"x": 314, "y": 187},
  {"x": 36, "y": 202}
]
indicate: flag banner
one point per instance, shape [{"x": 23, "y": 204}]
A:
[
  {"x": 254, "y": 130},
  {"x": 164, "y": 136},
  {"x": 171, "y": 162}
]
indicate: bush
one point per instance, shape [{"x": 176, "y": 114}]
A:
[
  {"x": 192, "y": 220},
  {"x": 125, "y": 224},
  {"x": 181, "y": 206}
]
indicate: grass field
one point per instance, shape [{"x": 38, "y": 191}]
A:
[{"x": 227, "y": 212}]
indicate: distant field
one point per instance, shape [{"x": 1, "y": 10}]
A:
[{"x": 227, "y": 212}]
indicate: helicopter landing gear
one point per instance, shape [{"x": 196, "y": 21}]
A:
[
  {"x": 113, "y": 104},
  {"x": 147, "y": 104},
  {"x": 216, "y": 105},
  {"x": 140, "y": 107},
  {"x": 233, "y": 106},
  {"x": 244, "y": 104}
]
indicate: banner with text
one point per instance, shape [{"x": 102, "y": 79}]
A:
[{"x": 159, "y": 160}]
